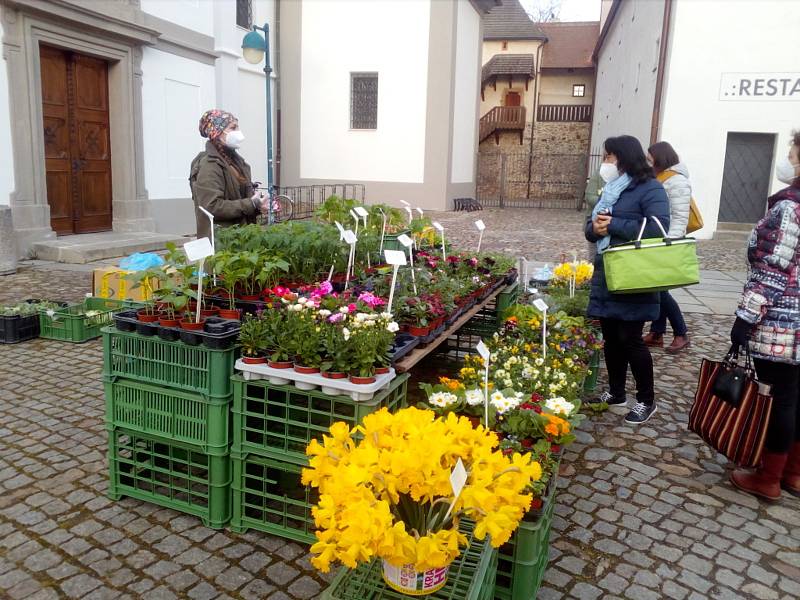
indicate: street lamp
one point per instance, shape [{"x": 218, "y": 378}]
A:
[{"x": 254, "y": 48}]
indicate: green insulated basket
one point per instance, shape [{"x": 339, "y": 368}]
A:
[
  {"x": 149, "y": 359},
  {"x": 72, "y": 324},
  {"x": 171, "y": 474},
  {"x": 171, "y": 414},
  {"x": 506, "y": 298},
  {"x": 523, "y": 560},
  {"x": 470, "y": 577},
  {"x": 390, "y": 241},
  {"x": 280, "y": 420},
  {"x": 267, "y": 496}
]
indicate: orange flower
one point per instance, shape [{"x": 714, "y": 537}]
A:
[
  {"x": 551, "y": 429},
  {"x": 512, "y": 319}
]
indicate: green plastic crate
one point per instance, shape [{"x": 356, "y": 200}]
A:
[
  {"x": 470, "y": 577},
  {"x": 70, "y": 324},
  {"x": 506, "y": 298},
  {"x": 267, "y": 496},
  {"x": 280, "y": 420},
  {"x": 149, "y": 359},
  {"x": 590, "y": 383},
  {"x": 171, "y": 414},
  {"x": 171, "y": 474},
  {"x": 523, "y": 560}
]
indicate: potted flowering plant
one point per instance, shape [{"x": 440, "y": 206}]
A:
[
  {"x": 369, "y": 338},
  {"x": 307, "y": 338},
  {"x": 253, "y": 339},
  {"x": 392, "y": 474},
  {"x": 336, "y": 358},
  {"x": 417, "y": 314}
]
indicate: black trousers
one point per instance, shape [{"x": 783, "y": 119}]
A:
[
  {"x": 625, "y": 347},
  {"x": 784, "y": 424}
]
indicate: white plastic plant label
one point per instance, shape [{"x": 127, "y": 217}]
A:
[
  {"x": 395, "y": 257},
  {"x": 198, "y": 249},
  {"x": 410, "y": 214},
  {"x": 405, "y": 240},
  {"x": 483, "y": 350},
  {"x": 419, "y": 210},
  {"x": 349, "y": 236},
  {"x": 540, "y": 304},
  {"x": 480, "y": 225},
  {"x": 458, "y": 478},
  {"x": 438, "y": 226},
  {"x": 339, "y": 227},
  {"x": 404, "y": 203},
  {"x": 361, "y": 211}
]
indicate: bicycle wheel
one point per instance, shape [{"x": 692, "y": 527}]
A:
[{"x": 285, "y": 208}]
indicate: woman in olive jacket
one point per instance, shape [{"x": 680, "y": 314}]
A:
[
  {"x": 220, "y": 178},
  {"x": 630, "y": 195}
]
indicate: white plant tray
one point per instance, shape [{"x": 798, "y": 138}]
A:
[{"x": 333, "y": 387}]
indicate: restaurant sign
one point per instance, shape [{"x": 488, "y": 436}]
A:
[{"x": 759, "y": 86}]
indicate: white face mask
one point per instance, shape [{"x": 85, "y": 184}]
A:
[
  {"x": 234, "y": 139},
  {"x": 609, "y": 172},
  {"x": 785, "y": 170}
]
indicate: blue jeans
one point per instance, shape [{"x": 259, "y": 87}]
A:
[{"x": 669, "y": 310}]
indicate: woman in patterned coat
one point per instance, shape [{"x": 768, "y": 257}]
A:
[{"x": 768, "y": 318}]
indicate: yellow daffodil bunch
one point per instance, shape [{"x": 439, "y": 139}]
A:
[
  {"x": 582, "y": 271},
  {"x": 385, "y": 489}
]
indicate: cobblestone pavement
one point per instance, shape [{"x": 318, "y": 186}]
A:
[{"x": 642, "y": 512}]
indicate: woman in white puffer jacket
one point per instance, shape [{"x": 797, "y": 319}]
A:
[{"x": 674, "y": 176}]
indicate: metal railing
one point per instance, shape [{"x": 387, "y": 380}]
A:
[
  {"x": 307, "y": 198},
  {"x": 502, "y": 117},
  {"x": 581, "y": 113}
]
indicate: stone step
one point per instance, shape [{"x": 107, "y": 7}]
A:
[
  {"x": 88, "y": 247},
  {"x": 731, "y": 235}
]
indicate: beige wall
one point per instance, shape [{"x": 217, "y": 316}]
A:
[
  {"x": 556, "y": 88},
  {"x": 490, "y": 48}
]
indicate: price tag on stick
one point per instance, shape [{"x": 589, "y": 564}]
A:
[
  {"x": 198, "y": 251},
  {"x": 458, "y": 479},
  {"x": 396, "y": 258},
  {"x": 440, "y": 229},
  {"x": 542, "y": 306},
  {"x": 480, "y": 227},
  {"x": 349, "y": 238},
  {"x": 410, "y": 214},
  {"x": 409, "y": 243},
  {"x": 485, "y": 355},
  {"x": 383, "y": 231}
]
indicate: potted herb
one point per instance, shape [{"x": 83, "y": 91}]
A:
[
  {"x": 149, "y": 280},
  {"x": 419, "y": 317}
]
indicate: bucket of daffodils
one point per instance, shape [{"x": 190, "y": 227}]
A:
[{"x": 385, "y": 492}]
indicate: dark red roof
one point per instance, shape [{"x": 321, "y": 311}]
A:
[{"x": 569, "y": 44}]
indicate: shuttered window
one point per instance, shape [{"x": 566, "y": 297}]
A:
[
  {"x": 244, "y": 13},
  {"x": 363, "y": 100}
]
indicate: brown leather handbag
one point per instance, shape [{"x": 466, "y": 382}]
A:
[{"x": 731, "y": 409}]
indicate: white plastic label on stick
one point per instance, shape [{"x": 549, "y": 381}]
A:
[
  {"x": 339, "y": 227},
  {"x": 483, "y": 350},
  {"x": 361, "y": 211},
  {"x": 438, "y": 226},
  {"x": 480, "y": 225},
  {"x": 405, "y": 240},
  {"x": 198, "y": 249},
  {"x": 419, "y": 210},
  {"x": 540, "y": 304},
  {"x": 395, "y": 257},
  {"x": 458, "y": 478},
  {"x": 404, "y": 203},
  {"x": 349, "y": 236}
]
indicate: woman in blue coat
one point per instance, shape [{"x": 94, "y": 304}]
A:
[{"x": 630, "y": 194}]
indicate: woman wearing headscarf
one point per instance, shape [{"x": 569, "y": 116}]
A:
[{"x": 220, "y": 178}]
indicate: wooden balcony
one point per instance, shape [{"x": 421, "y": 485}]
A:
[
  {"x": 502, "y": 118},
  {"x": 581, "y": 113}
]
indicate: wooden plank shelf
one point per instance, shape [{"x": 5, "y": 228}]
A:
[{"x": 417, "y": 354}]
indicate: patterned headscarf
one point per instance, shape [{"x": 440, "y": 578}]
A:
[{"x": 213, "y": 123}]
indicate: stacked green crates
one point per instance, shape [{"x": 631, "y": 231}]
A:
[
  {"x": 523, "y": 560},
  {"x": 272, "y": 425},
  {"x": 470, "y": 576},
  {"x": 71, "y": 324},
  {"x": 168, "y": 419}
]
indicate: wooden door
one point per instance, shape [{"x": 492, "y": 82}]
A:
[
  {"x": 513, "y": 99},
  {"x": 77, "y": 141}
]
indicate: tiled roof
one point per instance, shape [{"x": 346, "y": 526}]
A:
[
  {"x": 509, "y": 21},
  {"x": 569, "y": 45},
  {"x": 508, "y": 64}
]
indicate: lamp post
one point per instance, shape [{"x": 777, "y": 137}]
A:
[{"x": 254, "y": 48}]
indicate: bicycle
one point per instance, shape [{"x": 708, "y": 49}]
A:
[{"x": 282, "y": 206}]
